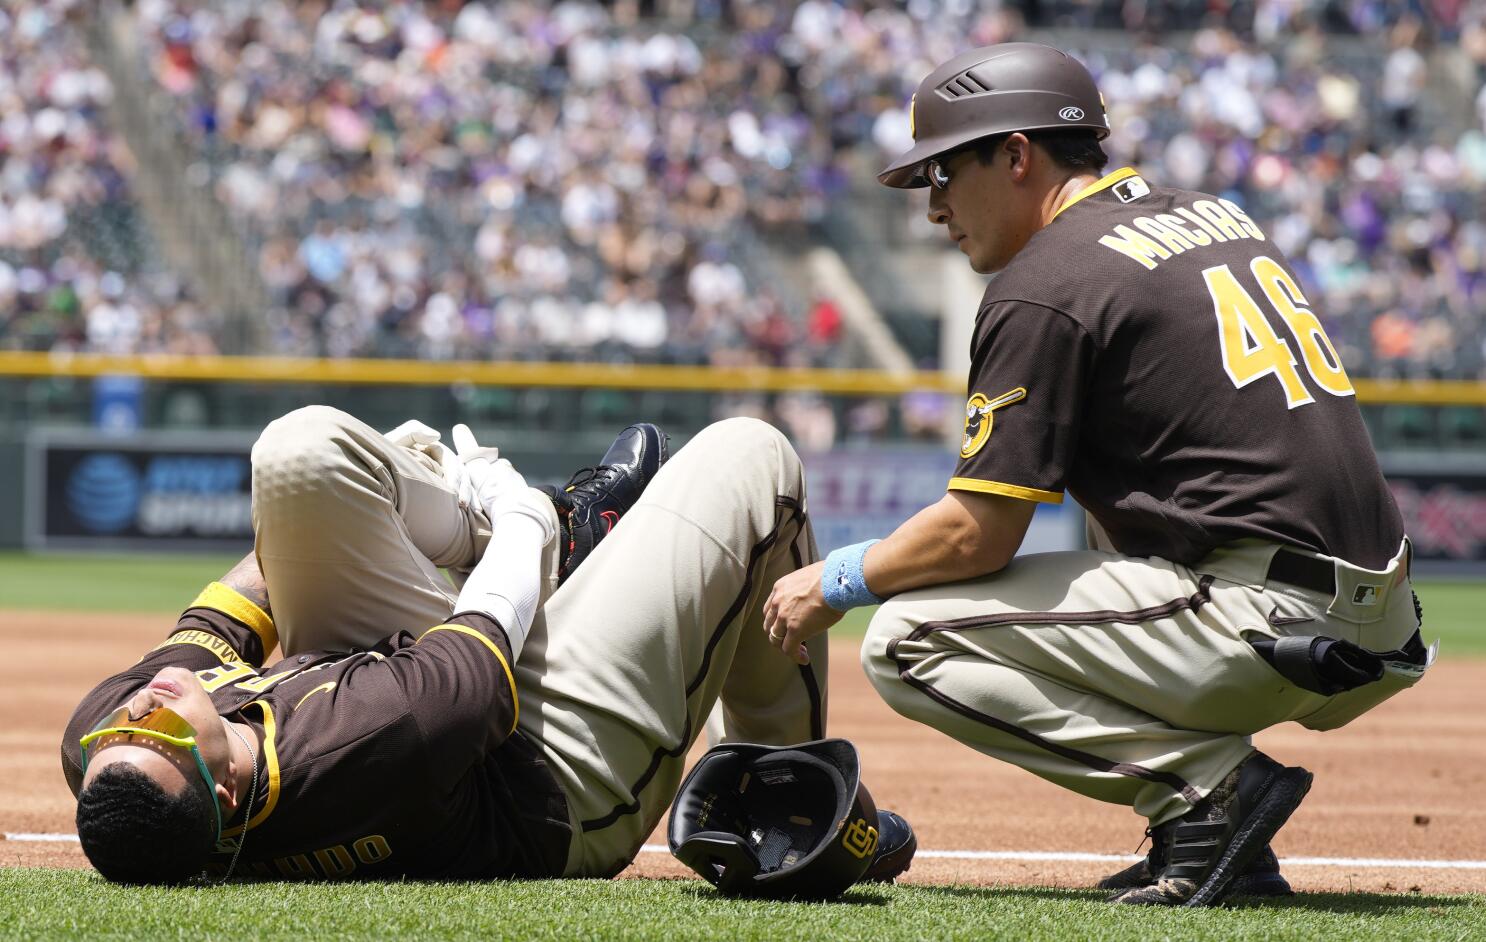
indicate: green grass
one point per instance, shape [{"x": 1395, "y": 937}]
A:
[
  {"x": 77, "y": 904},
  {"x": 117, "y": 583},
  {"x": 1454, "y": 611}
]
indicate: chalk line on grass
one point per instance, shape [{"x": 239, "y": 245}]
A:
[
  {"x": 1036, "y": 855},
  {"x": 1031, "y": 856}
]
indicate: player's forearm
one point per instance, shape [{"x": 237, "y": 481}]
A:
[
  {"x": 248, "y": 630},
  {"x": 506, "y": 584},
  {"x": 246, "y": 579},
  {"x": 956, "y": 538}
]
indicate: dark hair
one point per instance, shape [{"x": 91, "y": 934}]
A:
[
  {"x": 1073, "y": 149},
  {"x": 134, "y": 832}
]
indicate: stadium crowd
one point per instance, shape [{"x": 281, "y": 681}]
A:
[
  {"x": 588, "y": 181},
  {"x": 71, "y": 275}
]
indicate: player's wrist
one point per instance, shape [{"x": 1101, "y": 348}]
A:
[
  {"x": 530, "y": 503},
  {"x": 842, "y": 583}
]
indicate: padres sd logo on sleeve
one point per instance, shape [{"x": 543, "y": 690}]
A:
[{"x": 978, "y": 418}]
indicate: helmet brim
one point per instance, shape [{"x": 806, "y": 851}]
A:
[{"x": 907, "y": 172}]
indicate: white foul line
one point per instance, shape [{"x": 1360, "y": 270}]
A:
[
  {"x": 1030, "y": 855},
  {"x": 1036, "y": 855}
]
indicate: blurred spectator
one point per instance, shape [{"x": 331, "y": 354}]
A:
[
  {"x": 579, "y": 181},
  {"x": 73, "y": 273},
  {"x": 514, "y": 179}
]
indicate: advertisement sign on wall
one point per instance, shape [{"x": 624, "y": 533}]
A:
[
  {"x": 865, "y": 494},
  {"x": 192, "y": 490},
  {"x": 152, "y": 490}
]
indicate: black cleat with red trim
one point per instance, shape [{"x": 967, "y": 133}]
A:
[{"x": 594, "y": 499}]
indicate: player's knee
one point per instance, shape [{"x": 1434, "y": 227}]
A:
[
  {"x": 744, "y": 432},
  {"x": 301, "y": 446},
  {"x": 733, "y": 441},
  {"x": 885, "y": 664},
  {"x": 889, "y": 626}
]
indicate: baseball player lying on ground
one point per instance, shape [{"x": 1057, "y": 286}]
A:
[
  {"x": 414, "y": 731},
  {"x": 1148, "y": 350}
]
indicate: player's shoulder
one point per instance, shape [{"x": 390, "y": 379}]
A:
[{"x": 1115, "y": 241}]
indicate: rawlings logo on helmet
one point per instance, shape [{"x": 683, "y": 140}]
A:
[{"x": 1071, "y": 114}]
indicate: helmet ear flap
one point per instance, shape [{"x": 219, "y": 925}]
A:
[{"x": 723, "y": 859}]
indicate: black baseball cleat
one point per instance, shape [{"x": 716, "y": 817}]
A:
[
  {"x": 1261, "y": 878},
  {"x": 594, "y": 499},
  {"x": 896, "y": 845},
  {"x": 1208, "y": 848}
]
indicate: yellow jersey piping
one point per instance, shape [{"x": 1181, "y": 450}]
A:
[
  {"x": 1006, "y": 490},
  {"x": 232, "y": 603},
  {"x": 271, "y": 762},
  {"x": 480, "y": 636},
  {"x": 1105, "y": 183}
]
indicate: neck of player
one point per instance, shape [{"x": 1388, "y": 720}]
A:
[{"x": 240, "y": 770}]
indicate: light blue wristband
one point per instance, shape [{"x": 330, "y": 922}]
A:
[{"x": 842, "y": 582}]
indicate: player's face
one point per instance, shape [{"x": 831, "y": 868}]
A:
[
  {"x": 171, "y": 766},
  {"x": 981, "y": 207}
]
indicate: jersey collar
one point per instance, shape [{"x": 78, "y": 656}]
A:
[
  {"x": 1124, "y": 173},
  {"x": 271, "y": 767}
]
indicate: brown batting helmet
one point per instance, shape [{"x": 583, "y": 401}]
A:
[
  {"x": 995, "y": 90},
  {"x": 792, "y": 822}
]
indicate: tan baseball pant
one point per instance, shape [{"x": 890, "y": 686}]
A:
[
  {"x": 1128, "y": 679},
  {"x": 628, "y": 657}
]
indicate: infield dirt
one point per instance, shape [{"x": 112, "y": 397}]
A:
[{"x": 1402, "y": 782}]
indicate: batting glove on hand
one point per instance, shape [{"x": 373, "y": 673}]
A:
[
  {"x": 419, "y": 437},
  {"x": 498, "y": 486}
]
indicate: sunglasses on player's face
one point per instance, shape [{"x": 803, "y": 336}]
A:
[
  {"x": 937, "y": 174},
  {"x": 161, "y": 724}
]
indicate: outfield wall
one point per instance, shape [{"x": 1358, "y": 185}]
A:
[
  {"x": 158, "y": 491},
  {"x": 114, "y": 452}
]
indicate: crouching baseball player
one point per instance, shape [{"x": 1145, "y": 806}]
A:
[
  {"x": 1149, "y": 350},
  {"x": 412, "y": 730}
]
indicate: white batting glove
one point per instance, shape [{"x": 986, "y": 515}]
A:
[
  {"x": 419, "y": 437},
  {"x": 411, "y": 434},
  {"x": 498, "y": 486}
]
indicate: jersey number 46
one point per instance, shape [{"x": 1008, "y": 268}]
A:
[{"x": 1252, "y": 349}]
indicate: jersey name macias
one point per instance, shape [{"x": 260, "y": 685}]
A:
[{"x": 1150, "y": 351}]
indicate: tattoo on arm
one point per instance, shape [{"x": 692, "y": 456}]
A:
[{"x": 247, "y": 580}]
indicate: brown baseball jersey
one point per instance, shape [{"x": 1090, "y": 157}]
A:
[
  {"x": 402, "y": 760},
  {"x": 1151, "y": 352}
]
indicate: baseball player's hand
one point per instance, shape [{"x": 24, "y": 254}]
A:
[
  {"x": 796, "y": 612},
  {"x": 495, "y": 482},
  {"x": 419, "y": 437}
]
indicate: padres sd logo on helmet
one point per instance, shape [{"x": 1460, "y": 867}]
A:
[
  {"x": 979, "y": 418},
  {"x": 859, "y": 838}
]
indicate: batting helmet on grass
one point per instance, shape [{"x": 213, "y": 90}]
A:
[{"x": 777, "y": 823}]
